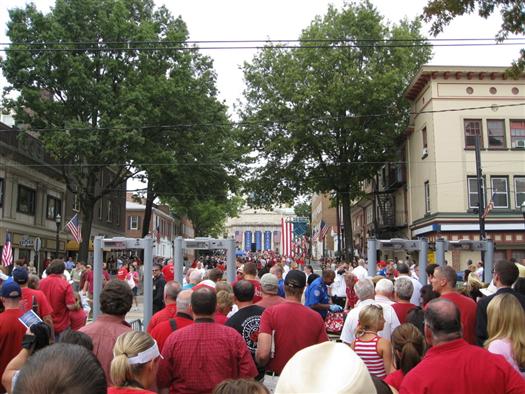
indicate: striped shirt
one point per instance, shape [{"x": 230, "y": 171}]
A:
[{"x": 367, "y": 350}]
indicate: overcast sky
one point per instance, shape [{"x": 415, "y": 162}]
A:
[{"x": 284, "y": 19}]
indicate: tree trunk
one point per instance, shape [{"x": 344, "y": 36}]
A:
[
  {"x": 150, "y": 197},
  {"x": 87, "y": 221},
  {"x": 347, "y": 221}
]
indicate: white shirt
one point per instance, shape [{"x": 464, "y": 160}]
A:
[
  {"x": 416, "y": 295},
  {"x": 339, "y": 286},
  {"x": 360, "y": 272},
  {"x": 391, "y": 321}
]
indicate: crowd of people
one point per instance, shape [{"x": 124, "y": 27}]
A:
[{"x": 281, "y": 326}]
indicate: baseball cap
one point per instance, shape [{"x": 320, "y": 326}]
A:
[
  {"x": 11, "y": 290},
  {"x": 295, "y": 279},
  {"x": 270, "y": 283},
  {"x": 20, "y": 275}
]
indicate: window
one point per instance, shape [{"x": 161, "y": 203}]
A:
[
  {"x": 427, "y": 197},
  {"x": 519, "y": 189},
  {"x": 100, "y": 209},
  {"x": 369, "y": 214},
  {"x": 26, "y": 200},
  {"x": 109, "y": 213},
  {"x": 117, "y": 211},
  {"x": 500, "y": 192},
  {"x": 496, "y": 131},
  {"x": 133, "y": 223},
  {"x": 517, "y": 133},
  {"x": 1, "y": 192},
  {"x": 54, "y": 207},
  {"x": 472, "y": 129},
  {"x": 472, "y": 184},
  {"x": 424, "y": 136}
]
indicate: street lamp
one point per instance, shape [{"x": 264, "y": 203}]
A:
[{"x": 58, "y": 220}]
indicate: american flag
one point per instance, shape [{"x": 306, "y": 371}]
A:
[
  {"x": 287, "y": 244},
  {"x": 323, "y": 230},
  {"x": 7, "y": 251},
  {"x": 74, "y": 228},
  {"x": 315, "y": 236},
  {"x": 489, "y": 206}
]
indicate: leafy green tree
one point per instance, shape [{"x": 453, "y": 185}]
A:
[
  {"x": 101, "y": 77},
  {"x": 442, "y": 12},
  {"x": 313, "y": 114}
]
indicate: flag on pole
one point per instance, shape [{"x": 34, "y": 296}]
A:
[
  {"x": 489, "y": 206},
  {"x": 323, "y": 230},
  {"x": 7, "y": 251},
  {"x": 286, "y": 238},
  {"x": 74, "y": 228},
  {"x": 315, "y": 236}
]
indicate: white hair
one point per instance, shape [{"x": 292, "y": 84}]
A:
[
  {"x": 364, "y": 289},
  {"x": 404, "y": 288},
  {"x": 385, "y": 287},
  {"x": 196, "y": 276}
]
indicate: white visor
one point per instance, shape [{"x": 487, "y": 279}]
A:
[{"x": 145, "y": 356}]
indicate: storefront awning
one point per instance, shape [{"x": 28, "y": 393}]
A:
[{"x": 73, "y": 246}]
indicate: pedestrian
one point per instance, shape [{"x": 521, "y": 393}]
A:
[
  {"x": 506, "y": 330},
  {"x": 224, "y": 306},
  {"x": 135, "y": 363},
  {"x": 240, "y": 386},
  {"x": 338, "y": 287},
  {"x": 171, "y": 291},
  {"x": 270, "y": 289},
  {"x": 351, "y": 296},
  {"x": 168, "y": 271},
  {"x": 76, "y": 275},
  {"x": 250, "y": 274},
  {"x": 60, "y": 296},
  {"x": 277, "y": 270},
  {"x": 404, "y": 272},
  {"x": 182, "y": 318},
  {"x": 408, "y": 346},
  {"x": 116, "y": 299},
  {"x": 316, "y": 295},
  {"x": 279, "y": 339},
  {"x": 373, "y": 350},
  {"x": 132, "y": 278},
  {"x": 77, "y": 317},
  {"x": 203, "y": 346},
  {"x": 384, "y": 291},
  {"x": 453, "y": 364},
  {"x": 403, "y": 289},
  {"x": 444, "y": 283},
  {"x": 158, "y": 288}
]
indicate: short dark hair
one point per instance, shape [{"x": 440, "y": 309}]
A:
[
  {"x": 215, "y": 274},
  {"x": 450, "y": 275},
  {"x": 204, "y": 301},
  {"x": 403, "y": 268},
  {"x": 57, "y": 266},
  {"x": 54, "y": 369},
  {"x": 250, "y": 269},
  {"x": 443, "y": 317},
  {"x": 309, "y": 267},
  {"x": 116, "y": 298},
  {"x": 77, "y": 338},
  {"x": 313, "y": 276},
  {"x": 508, "y": 272},
  {"x": 328, "y": 273},
  {"x": 244, "y": 290},
  {"x": 430, "y": 269},
  {"x": 159, "y": 266}
]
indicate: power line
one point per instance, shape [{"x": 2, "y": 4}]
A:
[{"x": 269, "y": 122}]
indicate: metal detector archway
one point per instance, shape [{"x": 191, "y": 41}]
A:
[
  {"x": 398, "y": 244},
  {"x": 204, "y": 244},
  {"x": 121, "y": 243}
]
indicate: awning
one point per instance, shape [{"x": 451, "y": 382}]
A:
[{"x": 73, "y": 246}]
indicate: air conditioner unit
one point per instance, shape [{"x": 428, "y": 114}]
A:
[
  {"x": 520, "y": 144},
  {"x": 425, "y": 152}
]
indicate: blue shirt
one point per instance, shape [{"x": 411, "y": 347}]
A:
[
  {"x": 280, "y": 288},
  {"x": 317, "y": 293}
]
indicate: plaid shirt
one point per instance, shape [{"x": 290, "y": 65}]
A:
[{"x": 200, "y": 356}]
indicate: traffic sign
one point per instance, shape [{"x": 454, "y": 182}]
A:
[{"x": 37, "y": 244}]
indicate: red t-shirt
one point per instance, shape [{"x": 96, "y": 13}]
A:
[
  {"x": 402, "y": 310},
  {"x": 395, "y": 379},
  {"x": 11, "y": 335},
  {"x": 78, "y": 319},
  {"x": 122, "y": 273},
  {"x": 59, "y": 293},
  {"x": 89, "y": 278},
  {"x": 128, "y": 390},
  {"x": 26, "y": 302},
  {"x": 258, "y": 289},
  {"x": 167, "y": 271},
  {"x": 220, "y": 318},
  {"x": 166, "y": 313},
  {"x": 458, "y": 367},
  {"x": 290, "y": 335},
  {"x": 162, "y": 331},
  {"x": 467, "y": 308}
]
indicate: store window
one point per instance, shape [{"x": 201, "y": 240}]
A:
[{"x": 26, "y": 200}]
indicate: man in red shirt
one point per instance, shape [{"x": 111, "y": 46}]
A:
[
  {"x": 403, "y": 289},
  {"x": 452, "y": 365},
  {"x": 11, "y": 330},
  {"x": 250, "y": 274},
  {"x": 281, "y": 322},
  {"x": 270, "y": 288},
  {"x": 203, "y": 347},
  {"x": 444, "y": 282},
  {"x": 122, "y": 273},
  {"x": 182, "y": 318},
  {"x": 60, "y": 295},
  {"x": 171, "y": 291},
  {"x": 168, "y": 272},
  {"x": 34, "y": 299}
]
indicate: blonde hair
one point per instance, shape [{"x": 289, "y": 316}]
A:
[
  {"x": 224, "y": 301},
  {"x": 506, "y": 320},
  {"x": 369, "y": 318},
  {"x": 129, "y": 344}
]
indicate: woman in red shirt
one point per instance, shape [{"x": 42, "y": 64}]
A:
[{"x": 134, "y": 365}]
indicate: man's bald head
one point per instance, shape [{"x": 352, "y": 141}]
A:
[
  {"x": 442, "y": 318},
  {"x": 171, "y": 291},
  {"x": 184, "y": 301}
]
